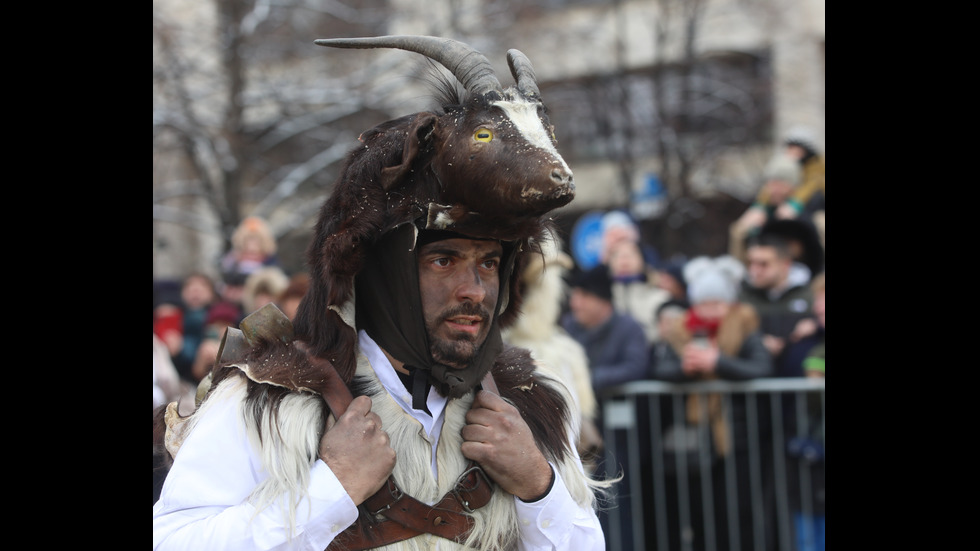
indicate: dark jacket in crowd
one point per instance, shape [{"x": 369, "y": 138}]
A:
[
  {"x": 778, "y": 314},
  {"x": 617, "y": 349}
]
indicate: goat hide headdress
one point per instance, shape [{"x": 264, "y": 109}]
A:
[{"x": 485, "y": 168}]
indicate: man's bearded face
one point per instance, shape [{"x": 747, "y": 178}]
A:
[{"x": 459, "y": 280}]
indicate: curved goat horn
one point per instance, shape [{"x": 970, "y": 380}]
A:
[
  {"x": 520, "y": 67},
  {"x": 469, "y": 66}
]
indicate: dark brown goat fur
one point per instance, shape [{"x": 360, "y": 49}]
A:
[{"x": 399, "y": 169}]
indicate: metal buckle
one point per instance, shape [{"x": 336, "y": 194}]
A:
[
  {"x": 458, "y": 487},
  {"x": 392, "y": 488}
]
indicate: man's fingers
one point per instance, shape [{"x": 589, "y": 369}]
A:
[
  {"x": 476, "y": 451},
  {"x": 490, "y": 401},
  {"x": 360, "y": 405},
  {"x": 476, "y": 433}
]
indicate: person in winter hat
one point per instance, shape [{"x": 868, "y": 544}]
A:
[
  {"x": 800, "y": 145},
  {"x": 810, "y": 198},
  {"x": 781, "y": 179},
  {"x": 614, "y": 342},
  {"x": 718, "y": 338}
]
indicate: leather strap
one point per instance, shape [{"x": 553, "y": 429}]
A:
[
  {"x": 400, "y": 516},
  {"x": 445, "y": 518}
]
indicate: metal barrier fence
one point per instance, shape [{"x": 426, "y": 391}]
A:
[{"x": 715, "y": 465}]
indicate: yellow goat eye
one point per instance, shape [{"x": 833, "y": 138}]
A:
[{"x": 483, "y": 135}]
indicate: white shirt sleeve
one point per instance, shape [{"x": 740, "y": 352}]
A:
[
  {"x": 204, "y": 500},
  {"x": 556, "y": 522}
]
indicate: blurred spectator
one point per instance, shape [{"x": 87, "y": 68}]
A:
[
  {"x": 633, "y": 288},
  {"x": 221, "y": 315},
  {"x": 197, "y": 293},
  {"x": 782, "y": 177},
  {"x": 614, "y": 342},
  {"x": 804, "y": 244},
  {"x": 616, "y": 347},
  {"x": 718, "y": 338},
  {"x": 670, "y": 278},
  {"x": 289, "y": 299},
  {"x": 804, "y": 200},
  {"x": 166, "y": 382},
  {"x": 801, "y": 145},
  {"x": 232, "y": 289},
  {"x": 168, "y": 317},
  {"x": 616, "y": 226},
  {"x": 262, "y": 287},
  {"x": 813, "y": 363},
  {"x": 253, "y": 246},
  {"x": 669, "y": 317},
  {"x": 779, "y": 294},
  {"x": 539, "y": 331},
  {"x": 805, "y": 441}
]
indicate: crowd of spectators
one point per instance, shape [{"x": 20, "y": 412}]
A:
[{"x": 756, "y": 312}]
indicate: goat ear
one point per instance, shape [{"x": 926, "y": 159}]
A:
[{"x": 417, "y": 136}]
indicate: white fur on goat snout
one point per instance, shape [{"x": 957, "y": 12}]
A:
[{"x": 525, "y": 118}]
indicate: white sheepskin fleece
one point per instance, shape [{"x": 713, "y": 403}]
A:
[{"x": 290, "y": 441}]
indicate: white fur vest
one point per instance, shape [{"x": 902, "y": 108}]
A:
[{"x": 288, "y": 453}]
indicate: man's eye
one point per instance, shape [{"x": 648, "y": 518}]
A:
[
  {"x": 441, "y": 262},
  {"x": 490, "y": 264}
]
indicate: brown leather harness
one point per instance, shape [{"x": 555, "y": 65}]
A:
[{"x": 396, "y": 516}]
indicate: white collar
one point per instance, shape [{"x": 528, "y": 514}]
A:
[{"x": 389, "y": 379}]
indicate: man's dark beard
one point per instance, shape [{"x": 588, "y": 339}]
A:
[{"x": 455, "y": 353}]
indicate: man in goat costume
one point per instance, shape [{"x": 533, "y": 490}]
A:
[{"x": 392, "y": 416}]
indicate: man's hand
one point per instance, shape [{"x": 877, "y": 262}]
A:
[
  {"x": 496, "y": 437},
  {"x": 358, "y": 451}
]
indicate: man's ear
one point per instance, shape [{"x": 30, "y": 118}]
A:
[{"x": 417, "y": 138}]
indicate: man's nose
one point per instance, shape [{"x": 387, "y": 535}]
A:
[{"x": 470, "y": 286}]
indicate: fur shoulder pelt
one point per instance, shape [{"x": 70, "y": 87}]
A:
[
  {"x": 275, "y": 368},
  {"x": 285, "y": 365}
]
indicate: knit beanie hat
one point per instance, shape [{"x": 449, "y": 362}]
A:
[
  {"x": 784, "y": 169},
  {"x": 802, "y": 136},
  {"x": 223, "y": 312},
  {"x": 595, "y": 281},
  {"x": 713, "y": 278}
]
